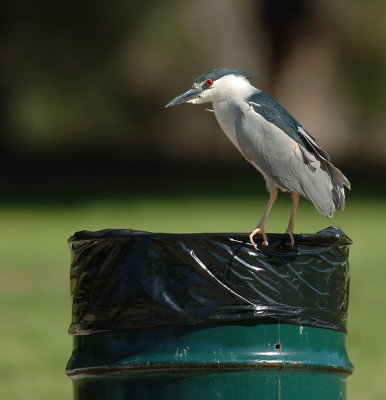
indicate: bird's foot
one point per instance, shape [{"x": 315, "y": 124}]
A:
[
  {"x": 292, "y": 240},
  {"x": 258, "y": 231}
]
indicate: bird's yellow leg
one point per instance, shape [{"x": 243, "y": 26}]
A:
[
  {"x": 260, "y": 227},
  {"x": 291, "y": 224}
]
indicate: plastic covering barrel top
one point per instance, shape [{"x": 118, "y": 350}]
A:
[{"x": 127, "y": 279}]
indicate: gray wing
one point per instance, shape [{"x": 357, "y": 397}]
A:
[
  {"x": 273, "y": 112},
  {"x": 285, "y": 160},
  {"x": 280, "y": 117}
]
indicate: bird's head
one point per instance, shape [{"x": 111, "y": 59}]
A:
[{"x": 213, "y": 86}]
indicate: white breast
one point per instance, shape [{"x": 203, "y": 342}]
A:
[{"x": 226, "y": 115}]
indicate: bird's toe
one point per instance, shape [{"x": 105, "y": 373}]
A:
[{"x": 292, "y": 239}]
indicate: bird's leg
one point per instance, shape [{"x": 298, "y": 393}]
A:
[
  {"x": 260, "y": 227},
  {"x": 291, "y": 224}
]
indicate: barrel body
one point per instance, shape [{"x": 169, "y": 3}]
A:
[
  {"x": 239, "y": 361},
  {"x": 207, "y": 316}
]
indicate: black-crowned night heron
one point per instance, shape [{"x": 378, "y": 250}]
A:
[{"x": 272, "y": 140}]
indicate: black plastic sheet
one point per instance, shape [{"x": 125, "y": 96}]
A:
[{"x": 126, "y": 279}]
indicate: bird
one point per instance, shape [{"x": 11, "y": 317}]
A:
[{"x": 273, "y": 141}]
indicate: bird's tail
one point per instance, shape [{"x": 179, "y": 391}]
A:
[{"x": 339, "y": 182}]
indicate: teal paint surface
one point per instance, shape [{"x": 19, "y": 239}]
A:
[{"x": 238, "y": 361}]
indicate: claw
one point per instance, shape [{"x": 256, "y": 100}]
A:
[{"x": 261, "y": 232}]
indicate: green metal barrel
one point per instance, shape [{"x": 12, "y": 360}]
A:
[{"x": 129, "y": 347}]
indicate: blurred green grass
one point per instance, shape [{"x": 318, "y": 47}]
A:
[{"x": 34, "y": 284}]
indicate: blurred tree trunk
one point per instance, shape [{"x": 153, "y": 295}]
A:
[{"x": 304, "y": 66}]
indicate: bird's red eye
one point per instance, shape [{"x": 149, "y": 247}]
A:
[{"x": 209, "y": 82}]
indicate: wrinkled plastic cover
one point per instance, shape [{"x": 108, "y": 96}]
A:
[{"x": 126, "y": 279}]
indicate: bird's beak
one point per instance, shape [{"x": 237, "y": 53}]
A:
[{"x": 190, "y": 94}]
